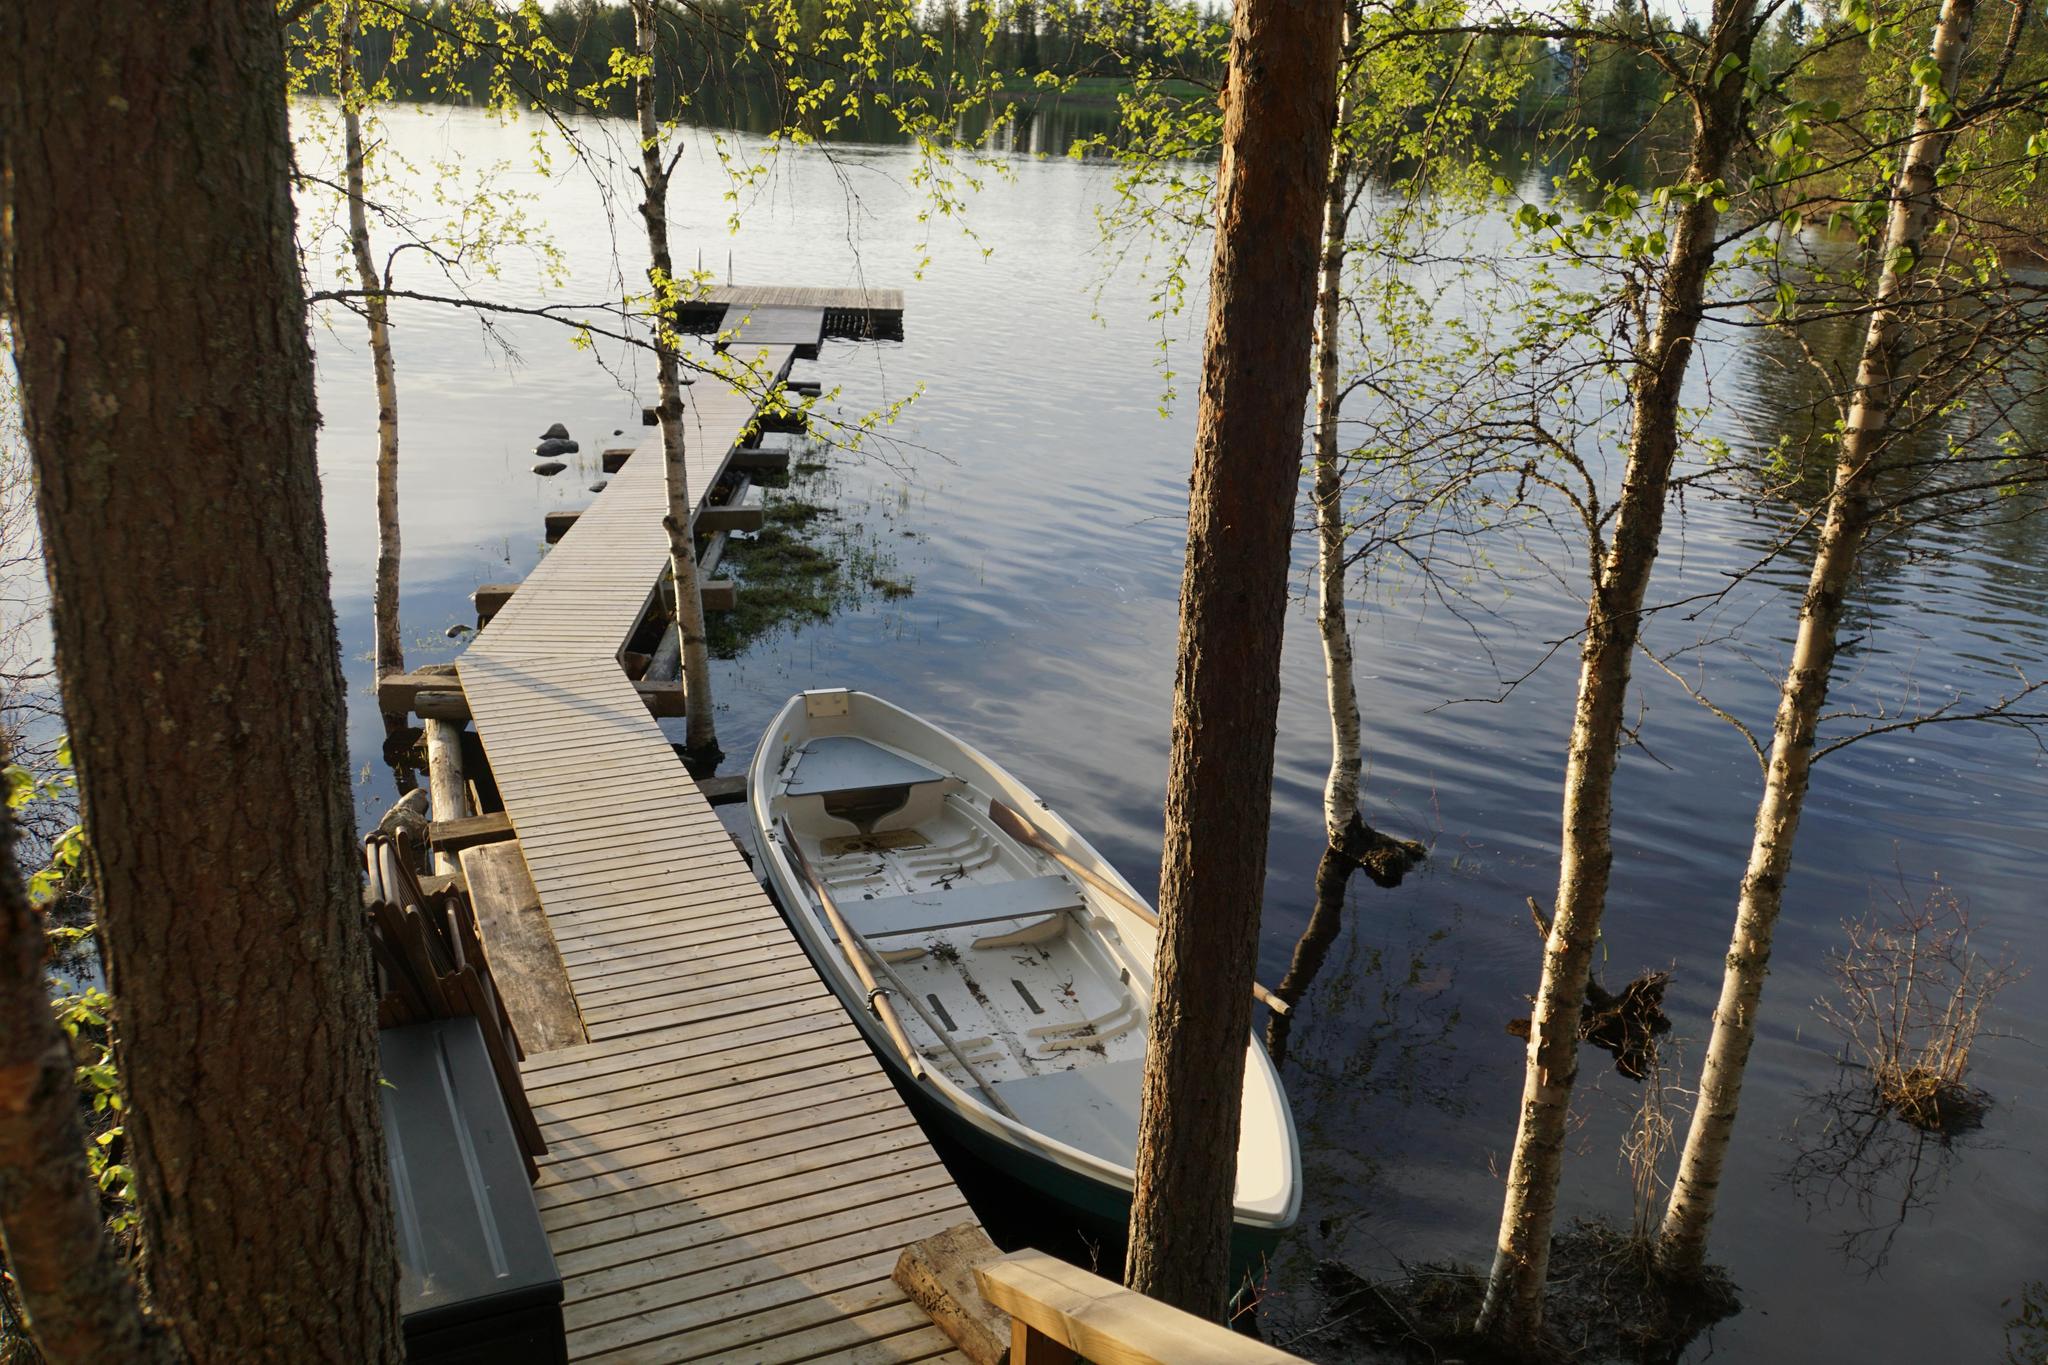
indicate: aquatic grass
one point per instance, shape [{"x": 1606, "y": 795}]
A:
[
  {"x": 1910, "y": 1001},
  {"x": 818, "y": 553}
]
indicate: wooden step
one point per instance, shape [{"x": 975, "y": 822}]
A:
[
  {"x": 759, "y": 460},
  {"x": 780, "y": 421},
  {"x": 489, "y": 599},
  {"x": 744, "y": 513},
  {"x": 453, "y": 836}
]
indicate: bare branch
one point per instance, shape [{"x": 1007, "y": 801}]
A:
[{"x": 1762, "y": 760}]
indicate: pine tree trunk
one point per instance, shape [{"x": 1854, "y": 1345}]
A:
[
  {"x": 1340, "y": 792},
  {"x": 390, "y": 642},
  {"x": 701, "y": 736},
  {"x": 1513, "y": 1309},
  {"x": 167, "y": 381},
  {"x": 1682, "y": 1238},
  {"x": 1247, "y": 469},
  {"x": 81, "y": 1303}
]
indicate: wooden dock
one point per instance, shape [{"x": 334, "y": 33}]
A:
[{"x": 730, "y": 1174}]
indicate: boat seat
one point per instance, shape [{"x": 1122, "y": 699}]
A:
[
  {"x": 1094, "y": 1107},
  {"x": 969, "y": 903},
  {"x": 835, "y": 764}
]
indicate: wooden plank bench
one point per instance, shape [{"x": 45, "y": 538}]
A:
[{"x": 925, "y": 912}]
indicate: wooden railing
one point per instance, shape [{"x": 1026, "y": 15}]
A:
[{"x": 1060, "y": 1314}]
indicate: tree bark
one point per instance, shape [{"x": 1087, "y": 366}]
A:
[
  {"x": 1682, "y": 1237},
  {"x": 81, "y": 1304},
  {"x": 160, "y": 330},
  {"x": 701, "y": 735},
  {"x": 1247, "y": 469},
  {"x": 1512, "y": 1312},
  {"x": 1340, "y": 791},
  {"x": 390, "y": 642}
]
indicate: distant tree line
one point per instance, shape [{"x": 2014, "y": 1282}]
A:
[{"x": 736, "y": 61}]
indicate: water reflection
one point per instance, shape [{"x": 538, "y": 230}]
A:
[
  {"x": 1325, "y": 922},
  {"x": 1856, "y": 1157}
]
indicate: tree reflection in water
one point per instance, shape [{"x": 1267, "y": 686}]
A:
[
  {"x": 1333, "y": 878},
  {"x": 1857, "y": 1159}
]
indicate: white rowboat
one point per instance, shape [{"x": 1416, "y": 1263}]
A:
[{"x": 1001, "y": 966}]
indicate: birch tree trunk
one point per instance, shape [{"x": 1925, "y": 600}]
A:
[
  {"x": 389, "y": 641},
  {"x": 1512, "y": 1312},
  {"x": 167, "y": 382},
  {"x": 1385, "y": 859},
  {"x": 1682, "y": 1238},
  {"x": 82, "y": 1305},
  {"x": 1340, "y": 792},
  {"x": 701, "y": 736},
  {"x": 1247, "y": 470}
]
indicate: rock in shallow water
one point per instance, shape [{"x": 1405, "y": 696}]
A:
[
  {"x": 550, "y": 448},
  {"x": 599, "y": 486},
  {"x": 548, "y": 468},
  {"x": 557, "y": 432}
]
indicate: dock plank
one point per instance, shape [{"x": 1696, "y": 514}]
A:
[
  {"x": 525, "y": 965},
  {"x": 731, "y": 1173}
]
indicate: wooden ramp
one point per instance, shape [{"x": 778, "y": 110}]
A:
[{"x": 730, "y": 1174}]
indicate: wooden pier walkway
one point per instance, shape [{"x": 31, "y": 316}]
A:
[{"x": 731, "y": 1174}]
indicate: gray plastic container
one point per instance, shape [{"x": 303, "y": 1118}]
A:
[{"x": 477, "y": 1282}]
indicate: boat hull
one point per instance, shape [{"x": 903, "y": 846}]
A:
[{"x": 1099, "y": 1212}]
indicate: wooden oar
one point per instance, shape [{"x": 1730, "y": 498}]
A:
[
  {"x": 1024, "y": 832},
  {"x": 896, "y": 982},
  {"x": 849, "y": 942},
  {"x": 973, "y": 1072}
]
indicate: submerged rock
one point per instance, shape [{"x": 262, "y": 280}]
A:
[
  {"x": 548, "y": 468},
  {"x": 557, "y": 432}
]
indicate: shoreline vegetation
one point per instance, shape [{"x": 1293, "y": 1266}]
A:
[{"x": 992, "y": 70}]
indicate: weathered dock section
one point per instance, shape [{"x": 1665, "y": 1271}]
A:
[
  {"x": 855, "y": 314},
  {"x": 730, "y": 1175}
]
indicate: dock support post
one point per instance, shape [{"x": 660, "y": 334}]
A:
[
  {"x": 444, "y": 782},
  {"x": 667, "y": 663}
]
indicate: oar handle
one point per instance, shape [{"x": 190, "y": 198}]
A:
[{"x": 1021, "y": 829}]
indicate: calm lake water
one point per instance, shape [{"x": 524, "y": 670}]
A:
[{"x": 1036, "y": 496}]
